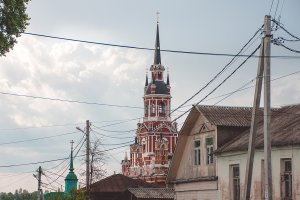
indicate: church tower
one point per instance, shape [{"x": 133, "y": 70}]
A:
[
  {"x": 71, "y": 179},
  {"x": 156, "y": 136}
]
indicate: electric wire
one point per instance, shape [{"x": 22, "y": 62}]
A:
[
  {"x": 69, "y": 101},
  {"x": 109, "y": 136},
  {"x": 279, "y": 24},
  {"x": 151, "y": 49},
  {"x": 290, "y": 49},
  {"x": 36, "y": 139},
  {"x": 220, "y": 72},
  {"x": 46, "y": 126},
  {"x": 219, "y": 85}
]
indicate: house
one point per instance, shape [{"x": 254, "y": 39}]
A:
[
  {"x": 210, "y": 157},
  {"x": 285, "y": 136},
  {"x": 194, "y": 168},
  {"x": 120, "y": 187}
]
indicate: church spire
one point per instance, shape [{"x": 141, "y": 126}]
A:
[
  {"x": 71, "y": 179},
  {"x": 71, "y": 160},
  {"x": 157, "y": 59}
]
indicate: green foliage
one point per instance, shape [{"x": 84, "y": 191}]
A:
[
  {"x": 74, "y": 195},
  {"x": 13, "y": 21},
  {"x": 18, "y": 195}
]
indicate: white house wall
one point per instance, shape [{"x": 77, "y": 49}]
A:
[{"x": 227, "y": 159}]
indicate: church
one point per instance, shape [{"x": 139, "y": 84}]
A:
[{"x": 156, "y": 135}]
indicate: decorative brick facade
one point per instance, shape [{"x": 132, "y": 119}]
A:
[{"x": 156, "y": 136}]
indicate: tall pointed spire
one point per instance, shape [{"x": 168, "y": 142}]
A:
[
  {"x": 146, "y": 82},
  {"x": 71, "y": 179},
  {"x": 157, "y": 59},
  {"x": 71, "y": 160}
]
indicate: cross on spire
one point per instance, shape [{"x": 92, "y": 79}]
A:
[{"x": 157, "y": 16}]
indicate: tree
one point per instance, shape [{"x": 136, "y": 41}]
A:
[
  {"x": 97, "y": 161},
  {"x": 13, "y": 21}
]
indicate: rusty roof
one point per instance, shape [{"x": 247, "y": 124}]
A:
[
  {"x": 152, "y": 193},
  {"x": 120, "y": 183},
  {"x": 227, "y": 115},
  {"x": 284, "y": 128}
]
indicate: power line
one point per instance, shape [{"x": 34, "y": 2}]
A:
[
  {"x": 69, "y": 101},
  {"x": 59, "y": 159},
  {"x": 45, "y": 126},
  {"x": 35, "y": 139},
  {"x": 290, "y": 49},
  {"x": 292, "y": 35},
  {"x": 114, "y": 131},
  {"x": 219, "y": 73},
  {"x": 110, "y": 136},
  {"x": 151, "y": 49},
  {"x": 221, "y": 82},
  {"x": 32, "y": 163}
]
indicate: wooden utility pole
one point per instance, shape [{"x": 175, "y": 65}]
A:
[
  {"x": 254, "y": 120},
  {"x": 39, "y": 177},
  {"x": 267, "y": 107},
  {"x": 263, "y": 68},
  {"x": 87, "y": 159}
]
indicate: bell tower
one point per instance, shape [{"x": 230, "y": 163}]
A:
[{"x": 156, "y": 136}]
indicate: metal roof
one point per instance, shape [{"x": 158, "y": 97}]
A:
[
  {"x": 152, "y": 193},
  {"x": 285, "y": 131},
  {"x": 226, "y": 115},
  {"x": 120, "y": 183},
  {"x": 161, "y": 87}
]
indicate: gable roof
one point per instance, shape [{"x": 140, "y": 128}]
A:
[
  {"x": 284, "y": 129},
  {"x": 216, "y": 115},
  {"x": 152, "y": 193},
  {"x": 119, "y": 183},
  {"x": 226, "y": 115}
]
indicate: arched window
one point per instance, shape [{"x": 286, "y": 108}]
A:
[{"x": 162, "y": 108}]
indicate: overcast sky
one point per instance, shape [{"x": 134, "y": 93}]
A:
[{"x": 44, "y": 67}]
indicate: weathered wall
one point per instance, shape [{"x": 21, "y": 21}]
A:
[
  {"x": 227, "y": 159},
  {"x": 205, "y": 190},
  {"x": 187, "y": 169}
]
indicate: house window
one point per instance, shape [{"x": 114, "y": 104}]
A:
[
  {"x": 235, "y": 182},
  {"x": 209, "y": 151},
  {"x": 286, "y": 179},
  {"x": 161, "y": 108},
  {"x": 197, "y": 152}
]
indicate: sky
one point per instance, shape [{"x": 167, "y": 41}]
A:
[{"x": 91, "y": 73}]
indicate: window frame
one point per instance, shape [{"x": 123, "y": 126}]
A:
[
  {"x": 286, "y": 179},
  {"x": 235, "y": 182},
  {"x": 209, "y": 150},
  {"x": 197, "y": 152}
]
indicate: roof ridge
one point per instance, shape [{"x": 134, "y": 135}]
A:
[{"x": 233, "y": 107}]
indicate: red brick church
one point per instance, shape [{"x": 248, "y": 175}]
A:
[{"x": 156, "y": 136}]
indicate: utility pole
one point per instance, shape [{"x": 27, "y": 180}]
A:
[
  {"x": 253, "y": 128},
  {"x": 267, "y": 107},
  {"x": 263, "y": 68},
  {"x": 39, "y": 178},
  {"x": 88, "y": 159}
]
